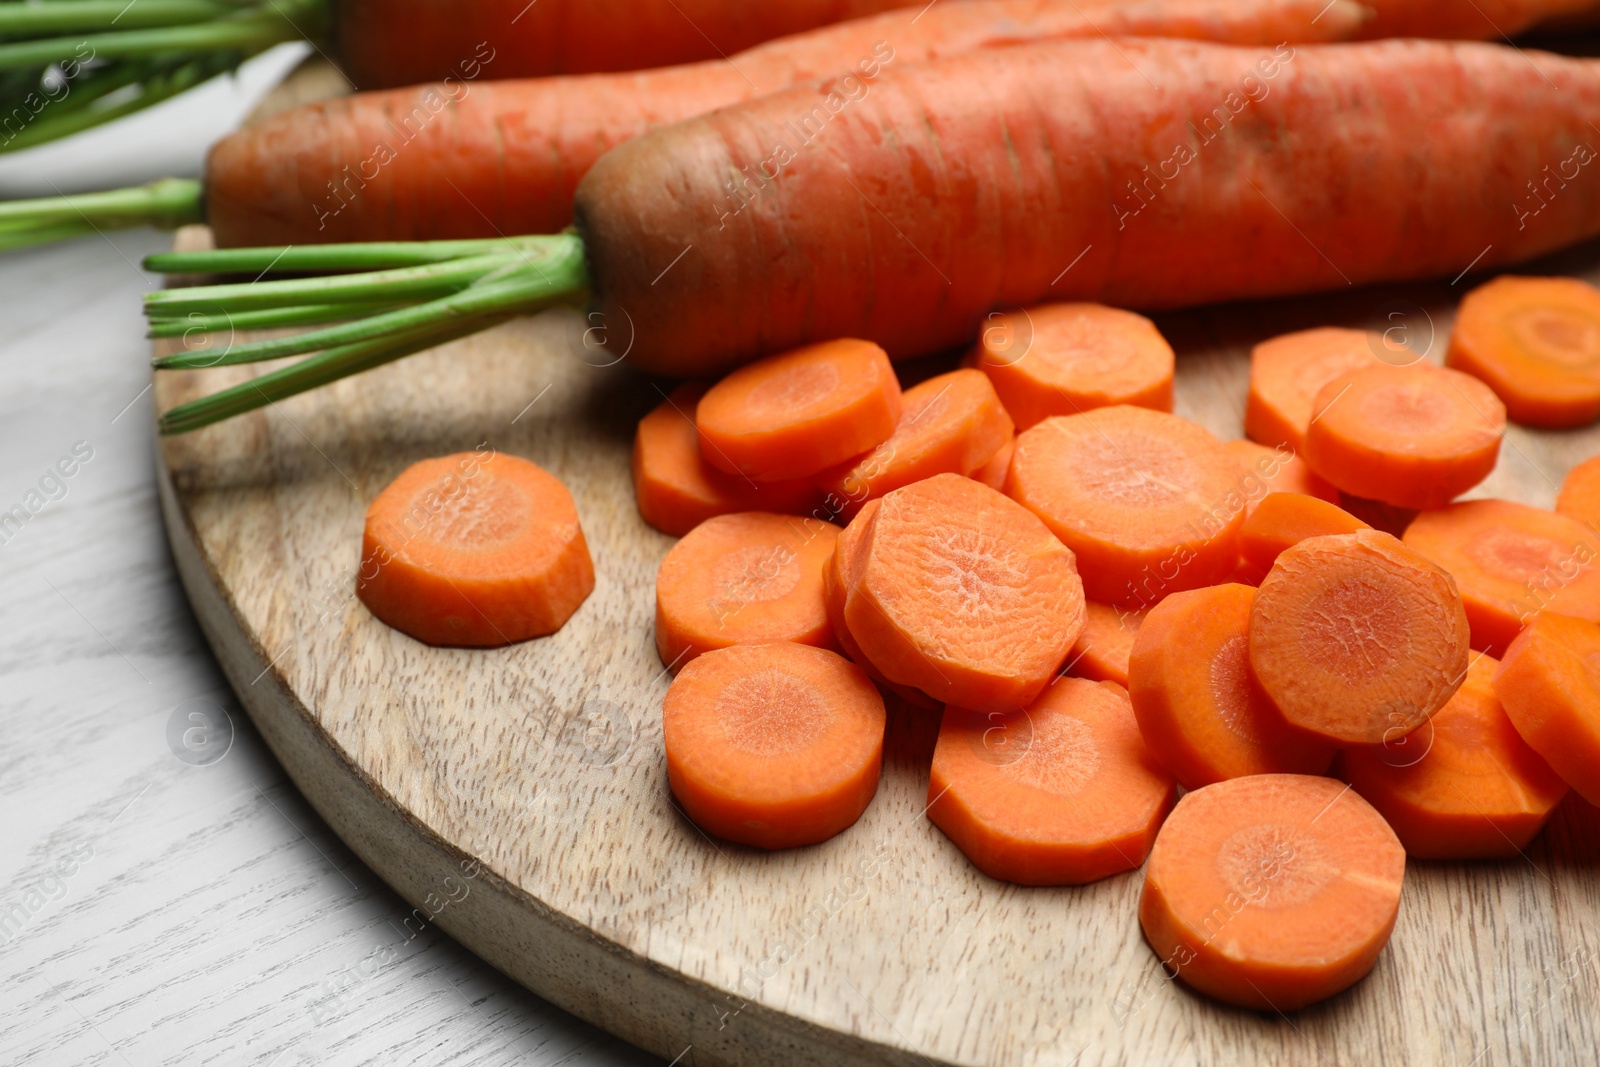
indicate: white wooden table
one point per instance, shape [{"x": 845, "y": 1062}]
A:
[{"x": 166, "y": 896}]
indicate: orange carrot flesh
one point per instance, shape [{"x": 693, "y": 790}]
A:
[
  {"x": 1414, "y": 436},
  {"x": 747, "y": 578},
  {"x": 1536, "y": 343},
  {"x": 1272, "y": 892},
  {"x": 1149, "y": 502},
  {"x": 1061, "y": 793},
  {"x": 996, "y": 467},
  {"x": 1101, "y": 653},
  {"x": 1063, "y": 359},
  {"x": 1199, "y": 708},
  {"x": 1510, "y": 562},
  {"x": 1358, "y": 639},
  {"x": 1549, "y": 683},
  {"x": 677, "y": 490},
  {"x": 1287, "y": 372},
  {"x": 953, "y": 423},
  {"x": 1580, "y": 493},
  {"x": 1283, "y": 520},
  {"x": 792, "y": 415},
  {"x": 964, "y": 595},
  {"x": 474, "y": 550},
  {"x": 1275, "y": 469},
  {"x": 773, "y": 745},
  {"x": 1464, "y": 785}
]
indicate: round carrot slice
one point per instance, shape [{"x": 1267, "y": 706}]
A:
[
  {"x": 1549, "y": 683},
  {"x": 1580, "y": 493},
  {"x": 996, "y": 467},
  {"x": 677, "y": 490},
  {"x": 1150, "y": 502},
  {"x": 1287, "y": 372},
  {"x": 1198, "y": 705},
  {"x": 1536, "y": 342},
  {"x": 1510, "y": 562},
  {"x": 1272, "y": 892},
  {"x": 474, "y": 550},
  {"x": 1275, "y": 470},
  {"x": 795, "y": 414},
  {"x": 1063, "y": 359},
  {"x": 1101, "y": 653},
  {"x": 1463, "y": 785},
  {"x": 773, "y": 745},
  {"x": 1414, "y": 436},
  {"x": 748, "y": 578},
  {"x": 1356, "y": 638},
  {"x": 964, "y": 595},
  {"x": 1061, "y": 793},
  {"x": 1283, "y": 520},
  {"x": 953, "y": 423}
]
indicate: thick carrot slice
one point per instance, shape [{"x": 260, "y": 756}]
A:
[
  {"x": 748, "y": 578},
  {"x": 1285, "y": 519},
  {"x": 1063, "y": 359},
  {"x": 1463, "y": 785},
  {"x": 1536, "y": 342},
  {"x": 1580, "y": 493},
  {"x": 1549, "y": 683},
  {"x": 1287, "y": 372},
  {"x": 1511, "y": 562},
  {"x": 1272, "y": 892},
  {"x": 474, "y": 550},
  {"x": 793, "y": 415},
  {"x": 1356, "y": 638},
  {"x": 1151, "y": 503},
  {"x": 773, "y": 745},
  {"x": 1275, "y": 469},
  {"x": 1414, "y": 436},
  {"x": 953, "y": 423},
  {"x": 996, "y": 467},
  {"x": 677, "y": 490},
  {"x": 1101, "y": 653},
  {"x": 964, "y": 595},
  {"x": 1197, "y": 701},
  {"x": 1061, "y": 793}
]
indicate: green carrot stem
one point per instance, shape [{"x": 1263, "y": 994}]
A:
[
  {"x": 372, "y": 255},
  {"x": 251, "y": 31},
  {"x": 272, "y": 318},
  {"x": 26, "y": 20},
  {"x": 169, "y": 203},
  {"x": 65, "y": 231}
]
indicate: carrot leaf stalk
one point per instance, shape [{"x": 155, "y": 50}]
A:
[
  {"x": 395, "y": 299},
  {"x": 168, "y": 203}
]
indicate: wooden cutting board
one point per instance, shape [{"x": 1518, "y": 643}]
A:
[{"x": 518, "y": 796}]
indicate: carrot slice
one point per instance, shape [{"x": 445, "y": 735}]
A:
[
  {"x": 1549, "y": 683},
  {"x": 1414, "y": 436},
  {"x": 748, "y": 578},
  {"x": 677, "y": 490},
  {"x": 996, "y": 467},
  {"x": 1063, "y": 359},
  {"x": 1101, "y": 652},
  {"x": 1151, "y": 503},
  {"x": 964, "y": 595},
  {"x": 1356, "y": 638},
  {"x": 1463, "y": 785},
  {"x": 953, "y": 423},
  {"x": 1536, "y": 342},
  {"x": 1197, "y": 702},
  {"x": 1275, "y": 470},
  {"x": 474, "y": 550},
  {"x": 1511, "y": 562},
  {"x": 773, "y": 745},
  {"x": 1061, "y": 793},
  {"x": 1285, "y": 519},
  {"x": 796, "y": 414},
  {"x": 1580, "y": 493},
  {"x": 1272, "y": 892},
  {"x": 1287, "y": 372}
]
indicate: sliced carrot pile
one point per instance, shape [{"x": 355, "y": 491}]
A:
[
  {"x": 1102, "y": 651},
  {"x": 1284, "y": 520},
  {"x": 964, "y": 595},
  {"x": 677, "y": 490},
  {"x": 1511, "y": 562},
  {"x": 1150, "y": 502},
  {"x": 1356, "y": 638},
  {"x": 1580, "y": 493},
  {"x": 796, "y": 414},
  {"x": 953, "y": 423},
  {"x": 746, "y": 578},
  {"x": 1414, "y": 436},
  {"x": 1272, "y": 892},
  {"x": 1198, "y": 705},
  {"x": 1061, "y": 793},
  {"x": 1549, "y": 683},
  {"x": 773, "y": 745},
  {"x": 996, "y": 467},
  {"x": 474, "y": 550},
  {"x": 1464, "y": 785},
  {"x": 1275, "y": 469},
  {"x": 1536, "y": 342},
  {"x": 1287, "y": 372},
  {"x": 1063, "y": 359}
]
